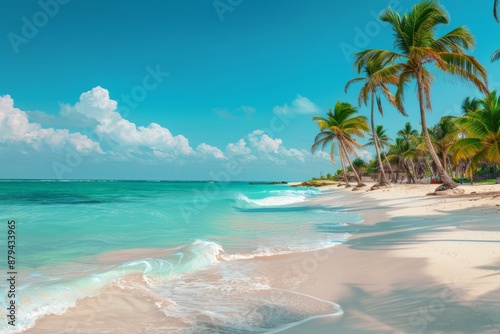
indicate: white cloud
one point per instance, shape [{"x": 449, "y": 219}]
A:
[
  {"x": 301, "y": 105},
  {"x": 322, "y": 155},
  {"x": 240, "y": 151},
  {"x": 263, "y": 143},
  {"x": 116, "y": 138},
  {"x": 15, "y": 128},
  {"x": 260, "y": 147},
  {"x": 294, "y": 153},
  {"x": 365, "y": 155},
  {"x": 125, "y": 137},
  {"x": 206, "y": 150}
]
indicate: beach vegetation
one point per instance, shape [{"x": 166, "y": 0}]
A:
[
  {"x": 338, "y": 129},
  {"x": 374, "y": 86},
  {"x": 416, "y": 48}
]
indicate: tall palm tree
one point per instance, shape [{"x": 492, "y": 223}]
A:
[
  {"x": 372, "y": 86},
  {"x": 339, "y": 126},
  {"x": 483, "y": 133},
  {"x": 383, "y": 141},
  {"x": 443, "y": 136},
  {"x": 417, "y": 46}
]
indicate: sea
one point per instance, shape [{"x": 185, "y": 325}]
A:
[{"x": 187, "y": 246}]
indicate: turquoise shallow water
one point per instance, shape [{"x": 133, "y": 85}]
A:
[{"x": 61, "y": 224}]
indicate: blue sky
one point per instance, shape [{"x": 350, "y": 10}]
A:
[{"x": 190, "y": 90}]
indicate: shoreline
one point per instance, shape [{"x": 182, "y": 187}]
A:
[{"x": 416, "y": 264}]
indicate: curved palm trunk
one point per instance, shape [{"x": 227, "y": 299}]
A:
[
  {"x": 383, "y": 178},
  {"x": 447, "y": 180},
  {"x": 393, "y": 179},
  {"x": 427, "y": 163},
  {"x": 344, "y": 169},
  {"x": 445, "y": 162},
  {"x": 356, "y": 175}
]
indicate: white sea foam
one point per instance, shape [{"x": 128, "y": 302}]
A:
[
  {"x": 271, "y": 200},
  {"x": 38, "y": 299}
]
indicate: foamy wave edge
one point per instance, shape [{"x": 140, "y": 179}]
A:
[{"x": 206, "y": 253}]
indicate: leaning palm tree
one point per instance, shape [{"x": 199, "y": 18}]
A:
[
  {"x": 339, "y": 126},
  {"x": 483, "y": 133},
  {"x": 372, "y": 86},
  {"x": 401, "y": 154},
  {"x": 383, "y": 141},
  {"x": 417, "y": 47},
  {"x": 443, "y": 136}
]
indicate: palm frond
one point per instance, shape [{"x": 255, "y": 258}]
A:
[{"x": 495, "y": 56}]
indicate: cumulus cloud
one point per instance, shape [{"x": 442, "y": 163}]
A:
[
  {"x": 301, "y": 105},
  {"x": 116, "y": 138},
  {"x": 263, "y": 143},
  {"x": 321, "y": 155},
  {"x": 15, "y": 128},
  {"x": 240, "y": 151},
  {"x": 257, "y": 146},
  {"x": 365, "y": 155},
  {"x": 206, "y": 150},
  {"x": 124, "y": 136}
]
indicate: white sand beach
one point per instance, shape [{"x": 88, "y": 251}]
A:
[{"x": 418, "y": 264}]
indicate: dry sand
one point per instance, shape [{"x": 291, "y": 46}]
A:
[{"x": 418, "y": 264}]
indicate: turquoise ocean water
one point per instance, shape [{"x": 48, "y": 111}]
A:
[{"x": 69, "y": 236}]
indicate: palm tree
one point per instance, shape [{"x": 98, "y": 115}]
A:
[
  {"x": 417, "y": 47},
  {"x": 483, "y": 133},
  {"x": 443, "y": 136},
  {"x": 372, "y": 85},
  {"x": 359, "y": 164},
  {"x": 408, "y": 132},
  {"x": 401, "y": 154},
  {"x": 383, "y": 141},
  {"x": 470, "y": 105},
  {"x": 339, "y": 125}
]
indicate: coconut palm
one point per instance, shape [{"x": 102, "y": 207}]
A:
[
  {"x": 407, "y": 132},
  {"x": 483, "y": 133},
  {"x": 443, "y": 136},
  {"x": 401, "y": 154},
  {"x": 383, "y": 141},
  {"x": 372, "y": 86},
  {"x": 470, "y": 105},
  {"x": 339, "y": 125},
  {"x": 417, "y": 47}
]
